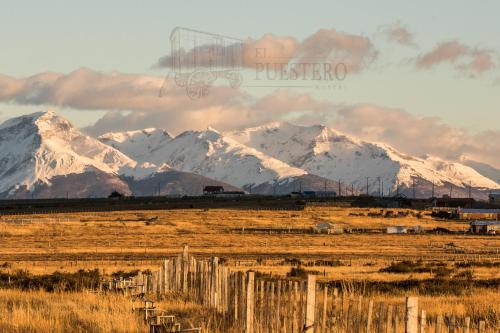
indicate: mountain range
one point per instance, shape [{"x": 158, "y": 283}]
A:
[{"x": 43, "y": 155}]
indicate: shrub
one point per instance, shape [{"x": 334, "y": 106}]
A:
[
  {"x": 56, "y": 281},
  {"x": 300, "y": 272},
  {"x": 465, "y": 275}
]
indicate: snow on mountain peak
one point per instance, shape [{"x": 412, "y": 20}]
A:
[
  {"x": 40, "y": 146},
  {"x": 212, "y": 154},
  {"x": 326, "y": 152}
]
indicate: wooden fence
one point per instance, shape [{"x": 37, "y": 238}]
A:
[{"x": 258, "y": 304}]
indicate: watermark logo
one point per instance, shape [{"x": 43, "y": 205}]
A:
[{"x": 198, "y": 59}]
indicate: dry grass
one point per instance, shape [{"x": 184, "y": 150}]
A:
[
  {"x": 39, "y": 311},
  {"x": 124, "y": 240}
]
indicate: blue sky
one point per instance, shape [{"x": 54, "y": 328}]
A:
[{"x": 130, "y": 36}]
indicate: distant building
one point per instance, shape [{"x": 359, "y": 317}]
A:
[
  {"x": 397, "y": 230},
  {"x": 115, "y": 195},
  {"x": 494, "y": 198},
  {"x": 485, "y": 227},
  {"x": 229, "y": 194},
  {"x": 318, "y": 194},
  {"x": 446, "y": 201},
  {"x": 478, "y": 214},
  {"x": 328, "y": 228},
  {"x": 210, "y": 190}
]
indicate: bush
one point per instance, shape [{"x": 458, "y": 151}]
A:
[
  {"x": 300, "y": 272},
  {"x": 407, "y": 266},
  {"x": 56, "y": 281},
  {"x": 125, "y": 275},
  {"x": 400, "y": 267},
  {"x": 442, "y": 273},
  {"x": 465, "y": 275},
  {"x": 292, "y": 261}
]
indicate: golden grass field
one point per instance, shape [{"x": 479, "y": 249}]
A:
[{"x": 126, "y": 241}]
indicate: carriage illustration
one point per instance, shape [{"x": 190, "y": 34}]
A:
[{"x": 200, "y": 58}]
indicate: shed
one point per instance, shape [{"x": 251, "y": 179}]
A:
[
  {"x": 476, "y": 214},
  {"x": 213, "y": 189},
  {"x": 485, "y": 227},
  {"x": 328, "y": 228},
  {"x": 397, "y": 230},
  {"x": 494, "y": 198}
]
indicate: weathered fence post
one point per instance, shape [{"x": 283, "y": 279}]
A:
[
  {"x": 250, "y": 303},
  {"x": 296, "y": 312},
  {"x": 411, "y": 315},
  {"x": 423, "y": 321},
  {"x": 388, "y": 325},
  {"x": 466, "y": 325},
  {"x": 439, "y": 322},
  {"x": 325, "y": 305},
  {"x": 278, "y": 307},
  {"x": 310, "y": 304},
  {"x": 480, "y": 326},
  {"x": 396, "y": 320},
  {"x": 369, "y": 316}
]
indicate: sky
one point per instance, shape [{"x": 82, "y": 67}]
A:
[{"x": 422, "y": 76}]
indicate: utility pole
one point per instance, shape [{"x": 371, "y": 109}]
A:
[
  {"x": 432, "y": 189},
  {"x": 397, "y": 188},
  {"x": 340, "y": 189},
  {"x": 451, "y": 190},
  {"x": 414, "y": 192},
  {"x": 382, "y": 188},
  {"x": 378, "y": 186},
  {"x": 470, "y": 189},
  {"x": 325, "y": 186},
  {"x": 352, "y": 189},
  {"x": 367, "y": 186}
]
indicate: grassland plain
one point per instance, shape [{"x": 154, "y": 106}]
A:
[{"x": 127, "y": 241}]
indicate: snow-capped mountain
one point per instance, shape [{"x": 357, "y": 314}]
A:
[
  {"x": 206, "y": 153},
  {"x": 325, "y": 152},
  {"x": 483, "y": 168},
  {"x": 44, "y": 155},
  {"x": 38, "y": 147},
  {"x": 138, "y": 145}
]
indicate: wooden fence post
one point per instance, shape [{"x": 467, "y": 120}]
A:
[
  {"x": 411, "y": 315},
  {"x": 369, "y": 316},
  {"x": 480, "y": 326},
  {"x": 423, "y": 321},
  {"x": 439, "y": 322},
  {"x": 310, "y": 304},
  {"x": 388, "y": 326},
  {"x": 278, "y": 307},
  {"x": 325, "y": 305},
  {"x": 250, "y": 303},
  {"x": 466, "y": 325},
  {"x": 296, "y": 312}
]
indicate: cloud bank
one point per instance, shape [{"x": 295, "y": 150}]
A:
[
  {"x": 133, "y": 103},
  {"x": 399, "y": 33},
  {"x": 324, "y": 46},
  {"x": 471, "y": 61}
]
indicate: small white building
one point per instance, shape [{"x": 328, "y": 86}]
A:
[
  {"x": 397, "y": 230},
  {"x": 328, "y": 228},
  {"x": 485, "y": 227}
]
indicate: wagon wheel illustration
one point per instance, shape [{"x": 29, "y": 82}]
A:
[
  {"x": 198, "y": 84},
  {"x": 235, "y": 79},
  {"x": 181, "y": 79}
]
